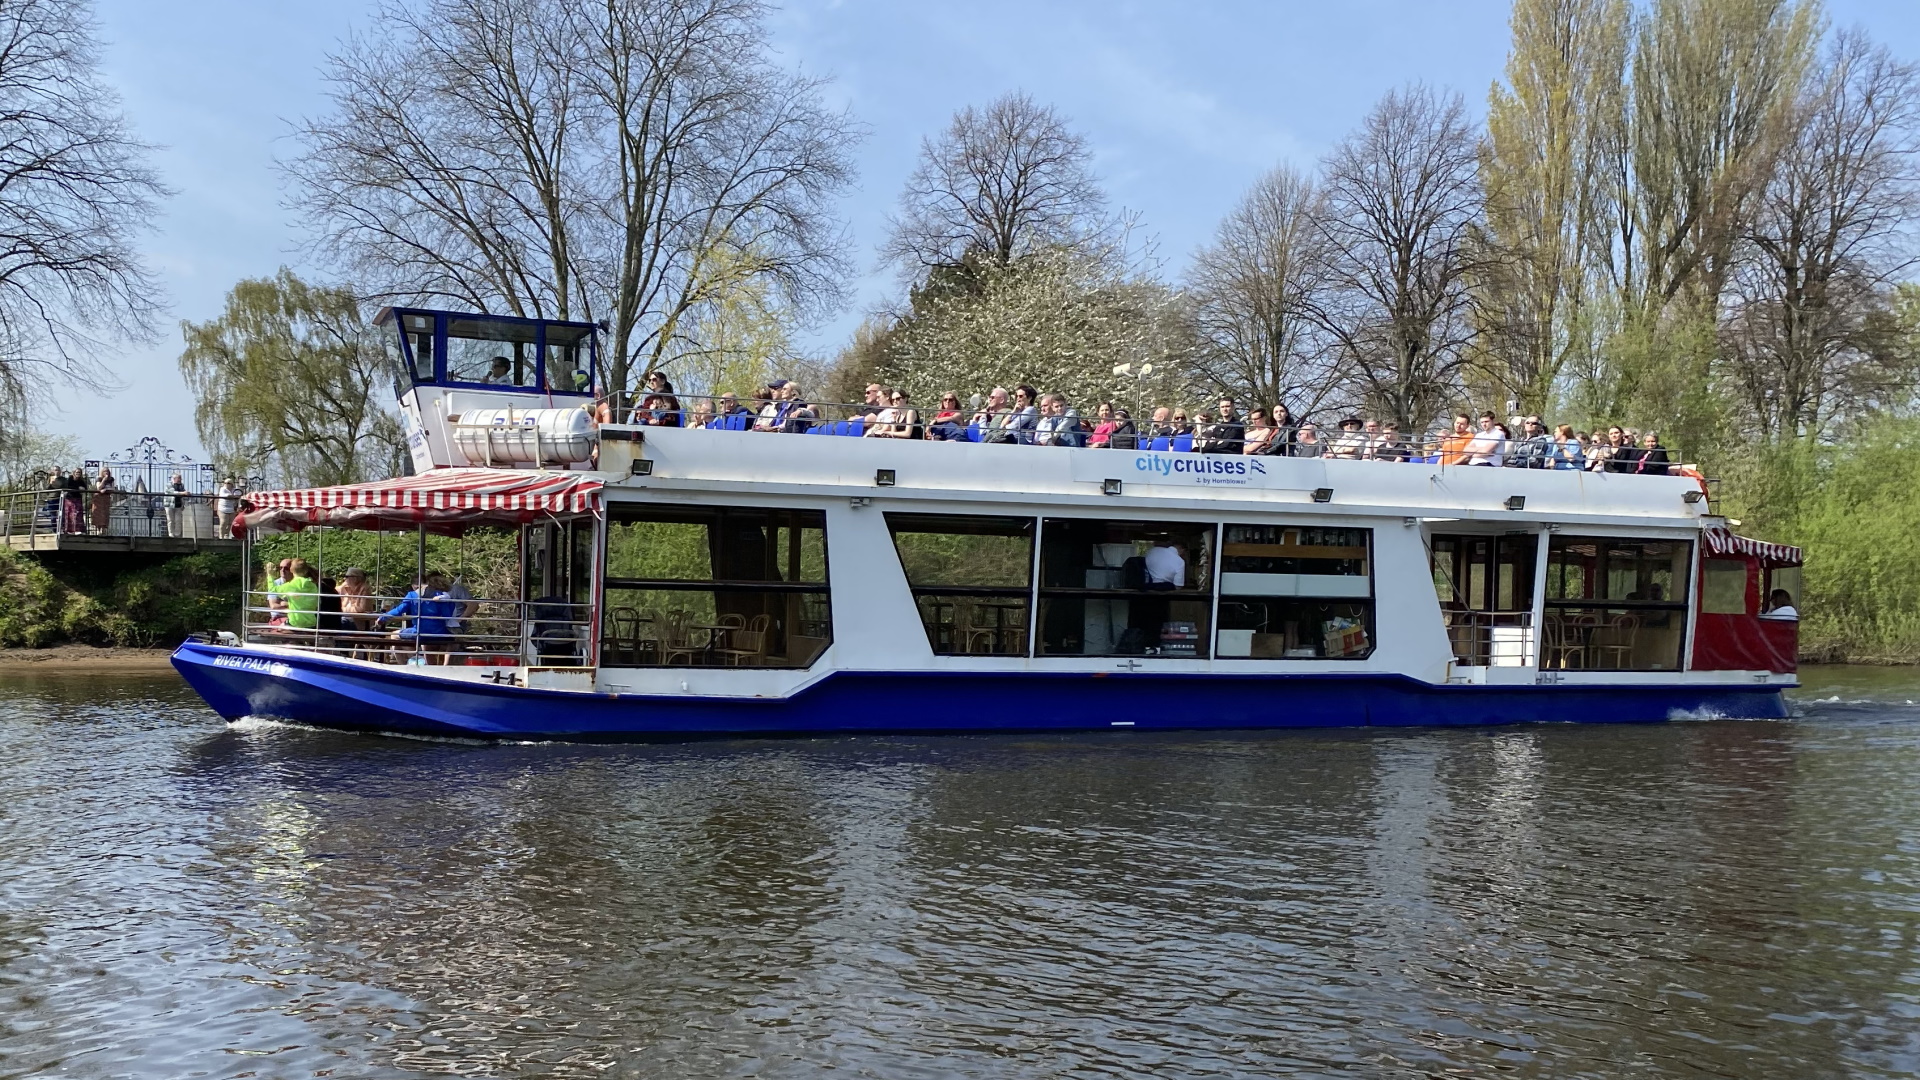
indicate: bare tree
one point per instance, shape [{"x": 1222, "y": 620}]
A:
[
  {"x": 1713, "y": 84},
  {"x": 1403, "y": 202},
  {"x": 75, "y": 192},
  {"x": 1254, "y": 291},
  {"x": 1809, "y": 336},
  {"x": 1000, "y": 183},
  {"x": 629, "y": 160}
]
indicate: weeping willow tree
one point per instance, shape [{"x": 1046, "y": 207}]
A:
[{"x": 290, "y": 382}]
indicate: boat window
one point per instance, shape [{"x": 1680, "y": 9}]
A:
[
  {"x": 1295, "y": 592},
  {"x": 1485, "y": 587},
  {"x": 569, "y": 359},
  {"x": 1125, "y": 588},
  {"x": 1788, "y": 578},
  {"x": 971, "y": 579},
  {"x": 1723, "y": 588},
  {"x": 1617, "y": 605},
  {"x": 715, "y": 586},
  {"x": 492, "y": 352}
]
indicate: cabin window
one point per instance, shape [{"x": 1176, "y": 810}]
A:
[
  {"x": 1723, "y": 587},
  {"x": 569, "y": 359},
  {"x": 1618, "y": 605},
  {"x": 1783, "y": 577},
  {"x": 715, "y": 586},
  {"x": 971, "y": 578},
  {"x": 1125, "y": 588},
  {"x": 1485, "y": 587},
  {"x": 1295, "y": 592},
  {"x": 492, "y": 352}
]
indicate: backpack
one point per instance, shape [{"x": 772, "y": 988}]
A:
[{"x": 1133, "y": 573}]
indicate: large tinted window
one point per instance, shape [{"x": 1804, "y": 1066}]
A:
[
  {"x": 694, "y": 587},
  {"x": 1296, "y": 592},
  {"x": 971, "y": 579},
  {"x": 1125, "y": 588},
  {"x": 1616, "y": 604},
  {"x": 491, "y": 352}
]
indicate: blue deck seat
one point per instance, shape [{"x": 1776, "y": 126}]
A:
[
  {"x": 974, "y": 434},
  {"x": 1160, "y": 442},
  {"x": 1183, "y": 444}
]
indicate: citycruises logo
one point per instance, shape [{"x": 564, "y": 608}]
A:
[{"x": 1198, "y": 468}]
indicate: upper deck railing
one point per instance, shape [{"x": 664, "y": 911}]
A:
[{"x": 969, "y": 424}]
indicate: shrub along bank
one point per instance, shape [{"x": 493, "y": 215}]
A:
[{"x": 104, "y": 602}]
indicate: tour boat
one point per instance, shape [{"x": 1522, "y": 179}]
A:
[{"x": 701, "y": 582}]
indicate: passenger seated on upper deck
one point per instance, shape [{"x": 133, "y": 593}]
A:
[
  {"x": 1780, "y": 606},
  {"x": 1453, "y": 445},
  {"x": 988, "y": 416},
  {"x": 889, "y": 421},
  {"x": 660, "y": 408},
  {"x": 1489, "y": 446},
  {"x": 1307, "y": 442},
  {"x": 730, "y": 405},
  {"x": 1350, "y": 443},
  {"x": 500, "y": 372},
  {"x": 702, "y": 414},
  {"x": 1653, "y": 457},
  {"x": 1166, "y": 566}
]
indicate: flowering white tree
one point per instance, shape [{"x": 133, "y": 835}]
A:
[{"x": 1059, "y": 319}]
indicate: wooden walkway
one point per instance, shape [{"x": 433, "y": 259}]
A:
[{"x": 65, "y": 543}]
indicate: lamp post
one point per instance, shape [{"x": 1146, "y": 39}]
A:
[{"x": 1138, "y": 376}]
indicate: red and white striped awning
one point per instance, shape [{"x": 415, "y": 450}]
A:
[
  {"x": 444, "y": 499},
  {"x": 1725, "y": 542}
]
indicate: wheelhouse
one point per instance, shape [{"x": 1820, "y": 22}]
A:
[{"x": 496, "y": 353}]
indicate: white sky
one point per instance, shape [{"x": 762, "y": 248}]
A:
[{"x": 1185, "y": 105}]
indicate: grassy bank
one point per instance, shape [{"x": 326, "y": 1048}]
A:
[{"x": 109, "y": 602}]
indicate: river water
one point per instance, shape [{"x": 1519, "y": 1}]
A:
[{"x": 179, "y": 897}]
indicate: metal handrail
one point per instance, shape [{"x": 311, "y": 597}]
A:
[
  {"x": 479, "y": 630},
  {"x": 153, "y": 514},
  {"x": 1428, "y": 448}
]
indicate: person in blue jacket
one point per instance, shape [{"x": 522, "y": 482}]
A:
[{"x": 427, "y": 609}]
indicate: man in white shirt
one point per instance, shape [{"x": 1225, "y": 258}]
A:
[
  {"x": 1166, "y": 567},
  {"x": 1780, "y": 606}
]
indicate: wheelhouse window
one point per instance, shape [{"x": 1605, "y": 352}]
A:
[
  {"x": 569, "y": 359},
  {"x": 1616, "y": 604},
  {"x": 1296, "y": 592},
  {"x": 715, "y": 586},
  {"x": 971, "y": 578},
  {"x": 1125, "y": 588},
  {"x": 492, "y": 352}
]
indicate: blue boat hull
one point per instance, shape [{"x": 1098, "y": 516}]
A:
[{"x": 331, "y": 693}]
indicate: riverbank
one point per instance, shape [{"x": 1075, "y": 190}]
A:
[{"x": 84, "y": 658}]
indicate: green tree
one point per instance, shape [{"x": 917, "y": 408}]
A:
[
  {"x": 289, "y": 379},
  {"x": 1547, "y": 201}
]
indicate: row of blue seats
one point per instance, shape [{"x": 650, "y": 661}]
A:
[{"x": 855, "y": 427}]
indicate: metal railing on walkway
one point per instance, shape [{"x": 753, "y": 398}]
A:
[{"x": 50, "y": 512}]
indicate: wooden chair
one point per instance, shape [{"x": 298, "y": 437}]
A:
[
  {"x": 747, "y": 646},
  {"x": 1562, "y": 649},
  {"x": 1612, "y": 643},
  {"x": 677, "y": 639}
]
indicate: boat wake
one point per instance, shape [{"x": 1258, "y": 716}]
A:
[{"x": 267, "y": 725}]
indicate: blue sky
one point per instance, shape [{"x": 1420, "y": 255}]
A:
[{"x": 1184, "y": 105}]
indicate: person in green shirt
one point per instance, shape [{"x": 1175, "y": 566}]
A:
[{"x": 302, "y": 595}]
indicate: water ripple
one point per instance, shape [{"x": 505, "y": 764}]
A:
[{"x": 182, "y": 897}]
